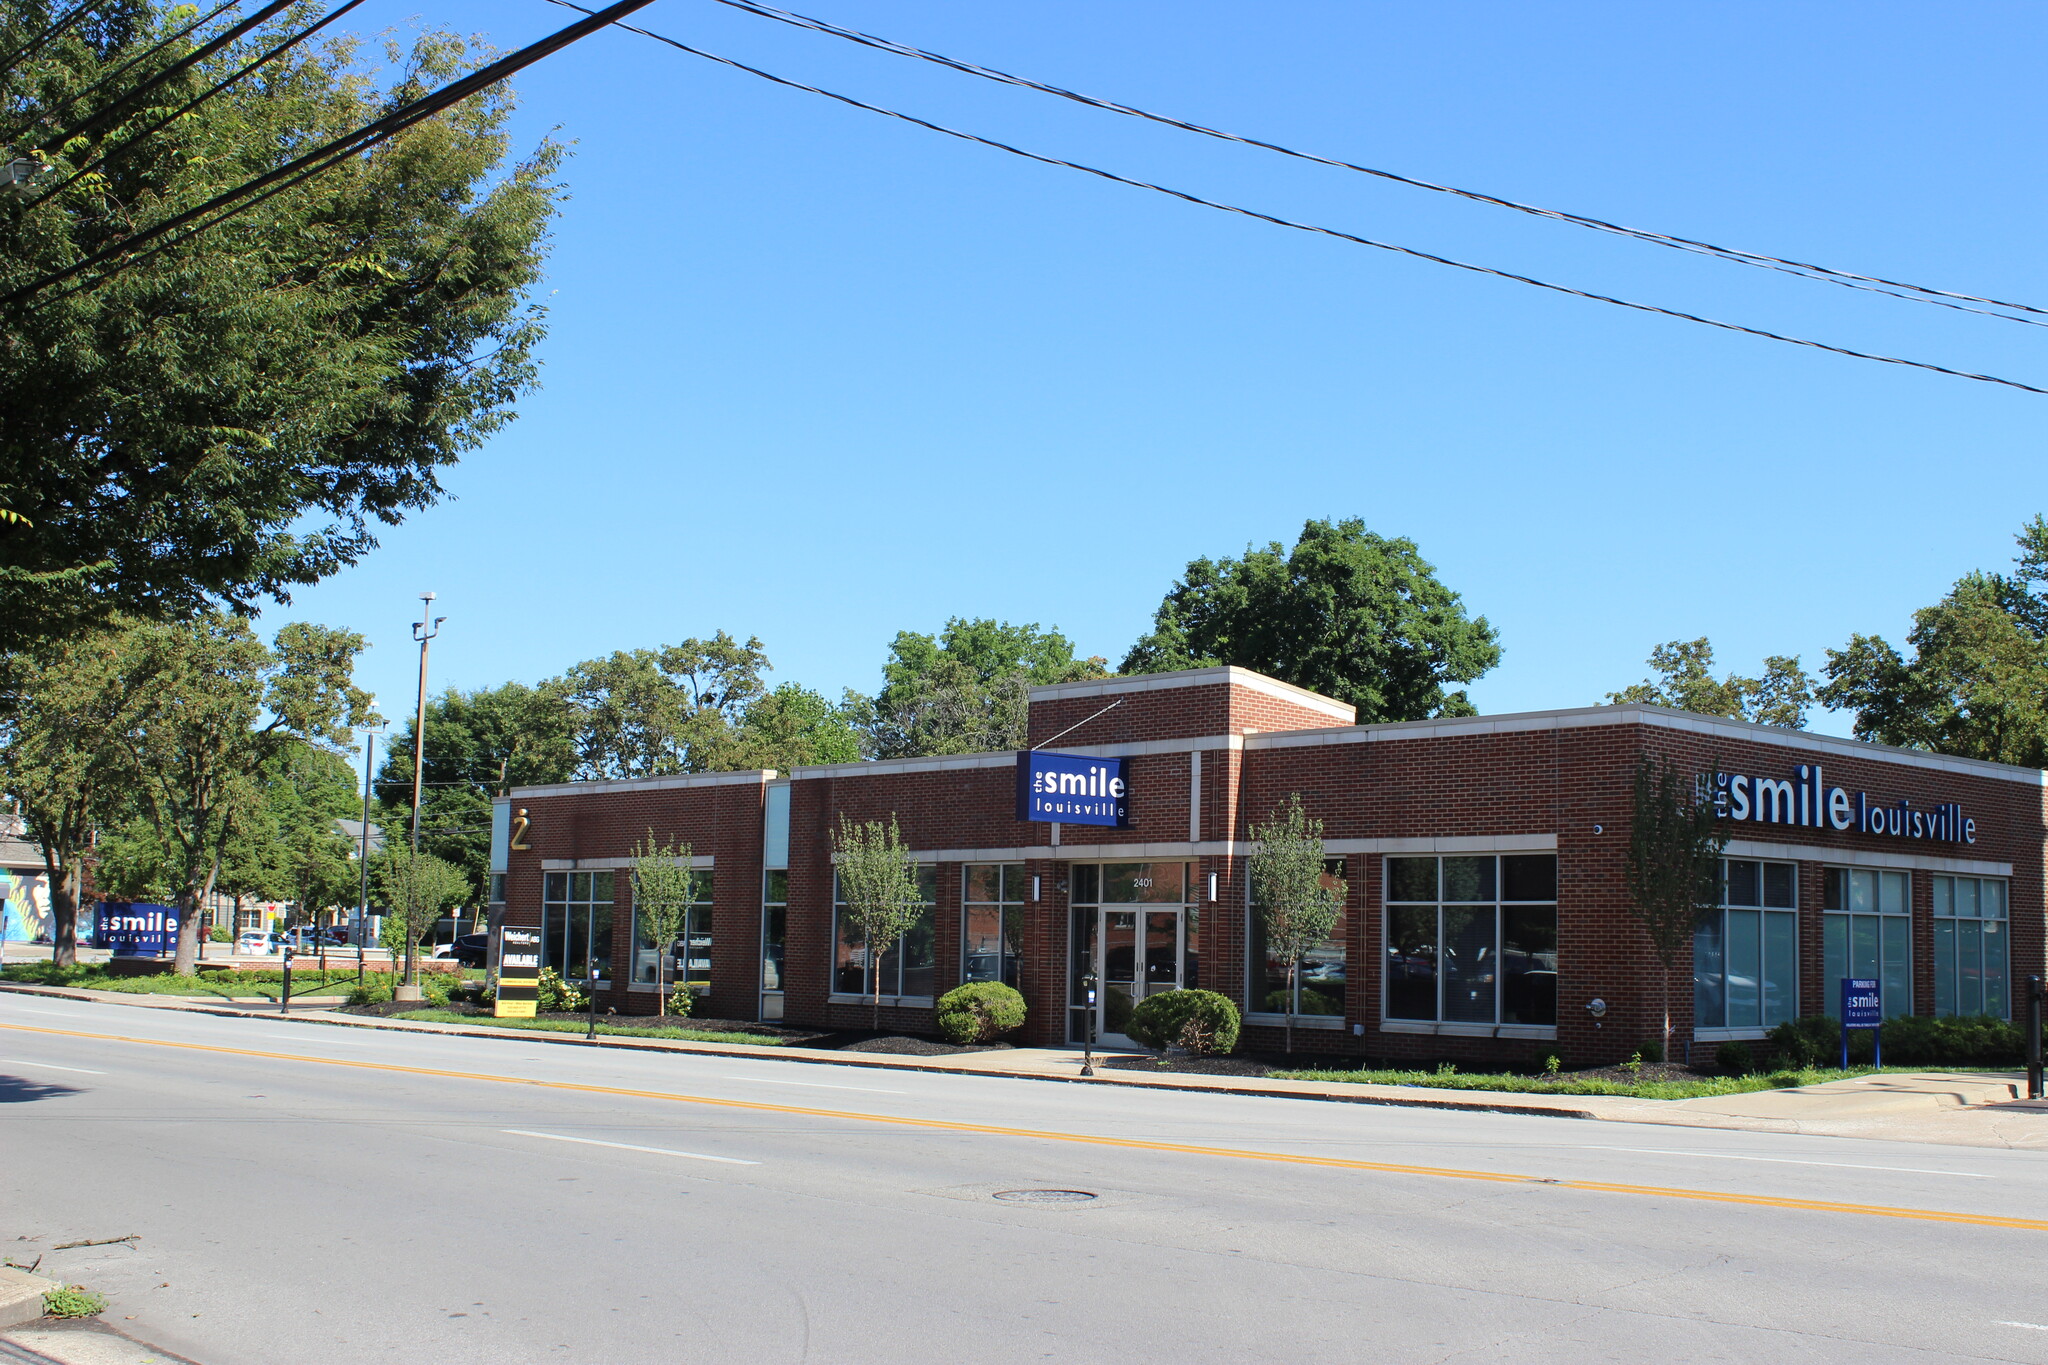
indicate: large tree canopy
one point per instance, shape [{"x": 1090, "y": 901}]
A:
[
  {"x": 235, "y": 414},
  {"x": 1347, "y": 613},
  {"x": 965, "y": 690},
  {"x": 1977, "y": 683},
  {"x": 1686, "y": 681}
]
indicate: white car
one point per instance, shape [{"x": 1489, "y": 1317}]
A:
[{"x": 256, "y": 941}]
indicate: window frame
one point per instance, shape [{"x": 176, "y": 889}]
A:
[
  {"x": 1725, "y": 1031},
  {"x": 1498, "y": 1028},
  {"x": 564, "y": 904},
  {"x": 1009, "y": 912},
  {"x": 699, "y": 914},
  {"x": 1888, "y": 922},
  {"x": 927, "y": 874},
  {"x": 1945, "y": 882},
  {"x": 1257, "y": 987}
]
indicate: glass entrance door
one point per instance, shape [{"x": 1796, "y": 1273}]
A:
[{"x": 1134, "y": 931}]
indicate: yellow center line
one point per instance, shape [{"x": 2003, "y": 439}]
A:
[{"x": 1089, "y": 1139}]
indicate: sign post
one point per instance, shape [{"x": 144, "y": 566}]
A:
[
  {"x": 518, "y": 972},
  {"x": 1863, "y": 1007}
]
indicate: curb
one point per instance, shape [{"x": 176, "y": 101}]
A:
[{"x": 797, "y": 1056}]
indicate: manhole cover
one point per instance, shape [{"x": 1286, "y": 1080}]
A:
[{"x": 1043, "y": 1196}]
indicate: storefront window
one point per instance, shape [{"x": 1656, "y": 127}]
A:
[
  {"x": 1969, "y": 946},
  {"x": 691, "y": 950},
  {"x": 774, "y": 936},
  {"x": 576, "y": 926},
  {"x": 1320, "y": 983},
  {"x": 1745, "y": 957},
  {"x": 1472, "y": 940},
  {"x": 992, "y": 921},
  {"x": 1868, "y": 932},
  {"x": 906, "y": 966}
]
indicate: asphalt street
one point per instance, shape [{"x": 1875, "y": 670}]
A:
[{"x": 307, "y": 1193}]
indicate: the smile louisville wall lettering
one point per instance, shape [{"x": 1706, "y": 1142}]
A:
[{"x": 1805, "y": 799}]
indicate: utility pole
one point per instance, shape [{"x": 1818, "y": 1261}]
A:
[{"x": 422, "y": 631}]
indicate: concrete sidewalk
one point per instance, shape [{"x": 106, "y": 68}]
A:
[{"x": 1976, "y": 1109}]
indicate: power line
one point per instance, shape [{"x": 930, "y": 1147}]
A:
[
  {"x": 229, "y": 203},
  {"x": 48, "y": 35},
  {"x": 1803, "y": 269},
  {"x": 1277, "y": 221}
]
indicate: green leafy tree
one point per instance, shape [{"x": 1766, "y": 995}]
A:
[
  {"x": 1674, "y": 865},
  {"x": 878, "y": 884},
  {"x": 306, "y": 790},
  {"x": 1976, "y": 684},
  {"x": 966, "y": 690},
  {"x": 66, "y": 758},
  {"x": 233, "y": 704},
  {"x": 664, "y": 889},
  {"x": 1298, "y": 899},
  {"x": 1347, "y": 613},
  {"x": 792, "y": 727},
  {"x": 234, "y": 415},
  {"x": 654, "y": 712},
  {"x": 418, "y": 889},
  {"x": 479, "y": 744},
  {"x": 1686, "y": 682}
]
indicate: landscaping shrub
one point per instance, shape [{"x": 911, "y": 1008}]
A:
[
  {"x": 1909, "y": 1040},
  {"x": 556, "y": 995},
  {"x": 979, "y": 1011},
  {"x": 1735, "y": 1058},
  {"x": 680, "y": 1001},
  {"x": 1200, "y": 1021},
  {"x": 1651, "y": 1050},
  {"x": 375, "y": 990},
  {"x": 221, "y": 934}
]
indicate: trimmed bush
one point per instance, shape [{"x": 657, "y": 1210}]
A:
[
  {"x": 680, "y": 1001},
  {"x": 556, "y": 995},
  {"x": 1909, "y": 1040},
  {"x": 1651, "y": 1050},
  {"x": 1200, "y": 1021},
  {"x": 1734, "y": 1058},
  {"x": 979, "y": 1011}
]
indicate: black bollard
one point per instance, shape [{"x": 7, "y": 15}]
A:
[
  {"x": 285, "y": 1005},
  {"x": 2034, "y": 1090}
]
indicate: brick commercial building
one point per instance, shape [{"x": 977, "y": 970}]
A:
[{"x": 1487, "y": 917}]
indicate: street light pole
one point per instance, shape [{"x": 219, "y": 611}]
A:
[
  {"x": 423, "y": 630},
  {"x": 363, "y": 904}
]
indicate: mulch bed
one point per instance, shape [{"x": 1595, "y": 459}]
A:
[{"x": 1198, "y": 1066}]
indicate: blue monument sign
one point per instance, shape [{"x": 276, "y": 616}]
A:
[
  {"x": 1863, "y": 1007},
  {"x": 1073, "y": 789},
  {"x": 135, "y": 930}
]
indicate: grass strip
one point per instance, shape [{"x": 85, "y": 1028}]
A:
[
  {"x": 1517, "y": 1083},
  {"x": 228, "y": 985},
  {"x": 687, "y": 1035}
]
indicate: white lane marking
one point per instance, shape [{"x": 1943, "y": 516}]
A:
[
  {"x": 816, "y": 1085},
  {"x": 50, "y": 1066},
  {"x": 1794, "y": 1161},
  {"x": 2030, "y": 1326},
  {"x": 31, "y": 1009},
  {"x": 336, "y": 1042},
  {"x": 629, "y": 1147}
]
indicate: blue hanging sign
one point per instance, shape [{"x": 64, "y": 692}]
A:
[
  {"x": 135, "y": 930},
  {"x": 1073, "y": 789}
]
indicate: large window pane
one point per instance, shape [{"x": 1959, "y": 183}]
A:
[
  {"x": 1411, "y": 961},
  {"x": 1970, "y": 967},
  {"x": 1898, "y": 963},
  {"x": 1469, "y": 879},
  {"x": 982, "y": 941},
  {"x": 1411, "y": 879},
  {"x": 1834, "y": 959},
  {"x": 1891, "y": 893},
  {"x": 1469, "y": 965},
  {"x": 1528, "y": 960},
  {"x": 1863, "y": 960},
  {"x": 1745, "y": 968},
  {"x": 1323, "y": 977},
  {"x": 1781, "y": 969},
  {"x": 1995, "y": 968},
  {"x": 1744, "y": 882},
  {"x": 1944, "y": 966},
  {"x": 1529, "y": 877},
  {"x": 1780, "y": 893},
  {"x": 1710, "y": 973}
]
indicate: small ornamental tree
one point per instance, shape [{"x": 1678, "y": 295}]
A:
[
  {"x": 1674, "y": 864},
  {"x": 417, "y": 887},
  {"x": 664, "y": 889},
  {"x": 1297, "y": 899},
  {"x": 878, "y": 884}
]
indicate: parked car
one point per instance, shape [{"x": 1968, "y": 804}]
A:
[
  {"x": 307, "y": 939},
  {"x": 470, "y": 950},
  {"x": 257, "y": 941}
]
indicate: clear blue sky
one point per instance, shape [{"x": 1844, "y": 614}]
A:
[{"x": 819, "y": 376}]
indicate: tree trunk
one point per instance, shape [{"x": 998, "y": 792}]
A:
[
  {"x": 1293, "y": 979},
  {"x": 63, "y": 883},
  {"x": 875, "y": 966},
  {"x": 660, "y": 989},
  {"x": 1668, "y": 972}
]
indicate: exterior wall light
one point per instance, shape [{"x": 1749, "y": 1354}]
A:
[{"x": 1596, "y": 1007}]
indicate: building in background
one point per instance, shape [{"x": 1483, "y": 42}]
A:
[{"x": 24, "y": 884}]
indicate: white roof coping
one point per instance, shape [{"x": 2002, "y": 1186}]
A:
[
  {"x": 1225, "y": 674},
  {"x": 1638, "y": 713},
  {"x": 757, "y": 776}
]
